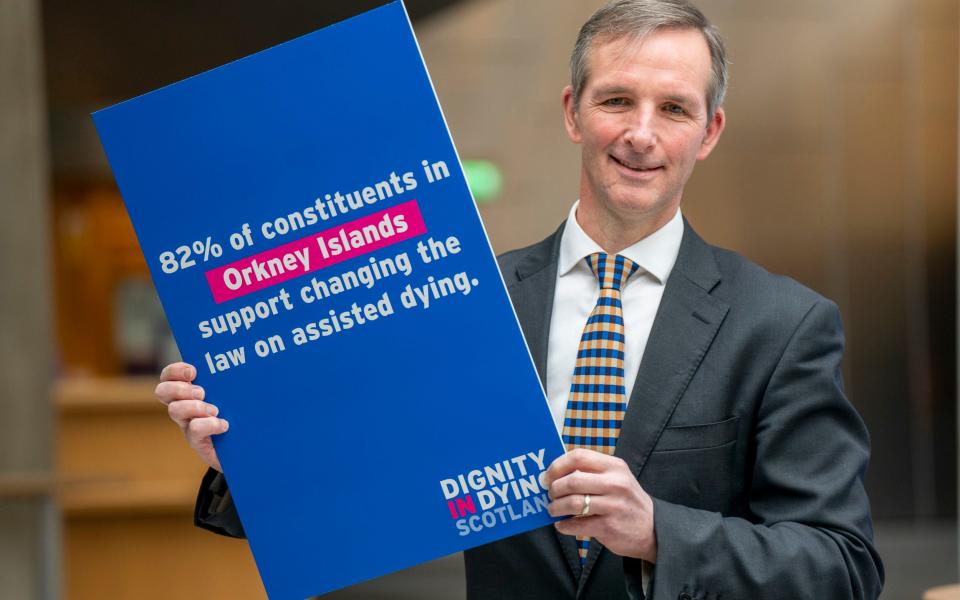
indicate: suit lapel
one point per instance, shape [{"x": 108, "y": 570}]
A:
[
  {"x": 532, "y": 295},
  {"x": 684, "y": 328}
]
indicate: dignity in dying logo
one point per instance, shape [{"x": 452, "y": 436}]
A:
[{"x": 499, "y": 493}]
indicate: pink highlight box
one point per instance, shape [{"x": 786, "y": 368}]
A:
[{"x": 316, "y": 251}]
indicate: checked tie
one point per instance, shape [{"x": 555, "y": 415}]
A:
[{"x": 598, "y": 397}]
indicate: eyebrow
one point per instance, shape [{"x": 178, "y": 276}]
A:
[
  {"x": 680, "y": 99},
  {"x": 612, "y": 90}
]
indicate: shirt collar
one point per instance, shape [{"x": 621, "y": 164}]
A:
[{"x": 656, "y": 254}]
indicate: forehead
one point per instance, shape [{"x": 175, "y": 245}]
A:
[{"x": 664, "y": 60}]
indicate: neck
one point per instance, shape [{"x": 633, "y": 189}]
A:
[{"x": 613, "y": 234}]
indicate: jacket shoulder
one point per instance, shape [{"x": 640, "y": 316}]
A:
[
  {"x": 521, "y": 262},
  {"x": 509, "y": 260},
  {"x": 747, "y": 284}
]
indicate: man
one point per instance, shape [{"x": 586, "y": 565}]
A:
[{"x": 737, "y": 463}]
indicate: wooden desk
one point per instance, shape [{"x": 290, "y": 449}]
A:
[{"x": 126, "y": 482}]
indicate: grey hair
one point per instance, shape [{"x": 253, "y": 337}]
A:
[{"x": 635, "y": 19}]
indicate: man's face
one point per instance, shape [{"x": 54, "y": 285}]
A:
[{"x": 643, "y": 124}]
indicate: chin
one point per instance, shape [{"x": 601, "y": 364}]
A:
[
  {"x": 635, "y": 207},
  {"x": 644, "y": 213}
]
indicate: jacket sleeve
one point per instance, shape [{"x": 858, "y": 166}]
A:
[
  {"x": 215, "y": 510},
  {"x": 808, "y": 531}
]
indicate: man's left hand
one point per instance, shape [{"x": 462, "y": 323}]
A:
[{"x": 621, "y": 512}]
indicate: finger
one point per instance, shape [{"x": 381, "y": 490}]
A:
[
  {"x": 170, "y": 391},
  {"x": 202, "y": 444},
  {"x": 587, "y": 526},
  {"x": 199, "y": 430},
  {"x": 573, "y": 506},
  {"x": 579, "y": 482},
  {"x": 178, "y": 371},
  {"x": 580, "y": 459},
  {"x": 182, "y": 411}
]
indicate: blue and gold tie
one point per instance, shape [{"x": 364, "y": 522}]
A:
[{"x": 598, "y": 397}]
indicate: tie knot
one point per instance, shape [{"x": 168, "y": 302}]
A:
[{"x": 612, "y": 271}]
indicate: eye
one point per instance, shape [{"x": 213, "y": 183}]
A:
[
  {"x": 617, "y": 102},
  {"x": 674, "y": 109}
]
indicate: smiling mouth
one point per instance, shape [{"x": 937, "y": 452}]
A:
[{"x": 635, "y": 168}]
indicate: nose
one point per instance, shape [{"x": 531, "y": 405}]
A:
[{"x": 639, "y": 132}]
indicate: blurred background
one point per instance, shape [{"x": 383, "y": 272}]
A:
[{"x": 838, "y": 168}]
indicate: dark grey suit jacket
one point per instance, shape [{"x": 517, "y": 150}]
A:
[{"x": 737, "y": 426}]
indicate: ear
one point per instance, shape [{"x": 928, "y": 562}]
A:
[
  {"x": 571, "y": 118},
  {"x": 714, "y": 129}
]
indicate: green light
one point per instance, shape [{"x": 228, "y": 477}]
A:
[{"x": 484, "y": 179}]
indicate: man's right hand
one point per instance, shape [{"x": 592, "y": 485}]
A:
[{"x": 196, "y": 419}]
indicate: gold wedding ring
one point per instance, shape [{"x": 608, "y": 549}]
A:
[{"x": 586, "y": 506}]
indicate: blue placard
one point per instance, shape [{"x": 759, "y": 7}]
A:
[{"x": 314, "y": 243}]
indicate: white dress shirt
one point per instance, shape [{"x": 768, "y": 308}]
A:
[{"x": 577, "y": 292}]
